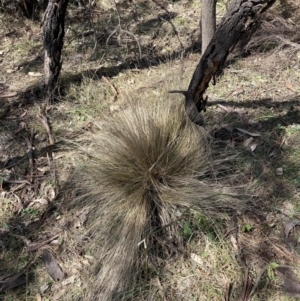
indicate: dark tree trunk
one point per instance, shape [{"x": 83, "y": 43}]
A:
[
  {"x": 54, "y": 20},
  {"x": 208, "y": 22},
  {"x": 240, "y": 18}
]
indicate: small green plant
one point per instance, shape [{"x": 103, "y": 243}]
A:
[
  {"x": 31, "y": 211},
  {"x": 247, "y": 228},
  {"x": 199, "y": 223},
  {"x": 271, "y": 270},
  {"x": 187, "y": 231}
]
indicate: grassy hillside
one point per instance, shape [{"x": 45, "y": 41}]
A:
[{"x": 121, "y": 53}]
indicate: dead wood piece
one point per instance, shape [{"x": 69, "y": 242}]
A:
[
  {"x": 15, "y": 280},
  {"x": 240, "y": 18},
  {"x": 10, "y": 163},
  {"x": 247, "y": 287},
  {"x": 37, "y": 245}
]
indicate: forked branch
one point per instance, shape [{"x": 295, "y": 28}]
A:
[{"x": 239, "y": 19}]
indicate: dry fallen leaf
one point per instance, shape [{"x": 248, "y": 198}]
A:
[
  {"x": 233, "y": 242},
  {"x": 291, "y": 283},
  {"x": 197, "y": 259},
  {"x": 114, "y": 108},
  {"x": 38, "y": 297},
  {"x": 40, "y": 201},
  {"x": 238, "y": 91},
  {"x": 44, "y": 288},
  {"x": 35, "y": 74},
  {"x": 84, "y": 216},
  {"x": 8, "y": 94},
  {"x": 69, "y": 280},
  {"x": 59, "y": 294},
  {"x": 273, "y": 153},
  {"x": 44, "y": 169},
  {"x": 224, "y": 108},
  {"x": 52, "y": 267},
  {"x": 248, "y": 133},
  {"x": 289, "y": 86},
  {"x": 290, "y": 226},
  {"x": 248, "y": 141},
  {"x": 253, "y": 147}
]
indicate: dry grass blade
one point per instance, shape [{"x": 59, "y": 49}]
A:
[{"x": 144, "y": 166}]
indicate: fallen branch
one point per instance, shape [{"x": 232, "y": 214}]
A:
[
  {"x": 37, "y": 245},
  {"x": 12, "y": 281}
]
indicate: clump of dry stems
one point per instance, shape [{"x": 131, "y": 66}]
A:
[{"x": 143, "y": 167}]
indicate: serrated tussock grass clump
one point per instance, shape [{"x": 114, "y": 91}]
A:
[{"x": 143, "y": 166}]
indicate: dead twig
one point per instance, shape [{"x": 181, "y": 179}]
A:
[
  {"x": 227, "y": 293},
  {"x": 44, "y": 120},
  {"x": 223, "y": 108},
  {"x": 53, "y": 174},
  {"x": 30, "y": 155},
  {"x": 20, "y": 204},
  {"x": 116, "y": 93},
  {"x": 247, "y": 287},
  {"x": 178, "y": 91},
  {"x": 37, "y": 245},
  {"x": 120, "y": 30}
]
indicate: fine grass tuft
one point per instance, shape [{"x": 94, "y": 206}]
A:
[{"x": 144, "y": 168}]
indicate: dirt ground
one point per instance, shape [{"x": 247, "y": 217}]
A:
[{"x": 118, "y": 51}]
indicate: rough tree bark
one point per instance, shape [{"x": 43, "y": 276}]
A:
[
  {"x": 208, "y": 22},
  {"x": 240, "y": 17},
  {"x": 54, "y": 32}
]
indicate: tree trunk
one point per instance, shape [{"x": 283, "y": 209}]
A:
[
  {"x": 54, "y": 20},
  {"x": 208, "y": 22},
  {"x": 240, "y": 18}
]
